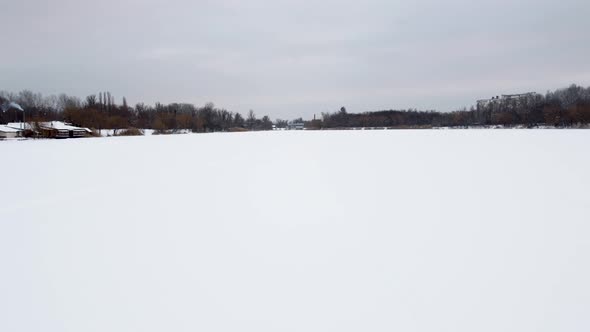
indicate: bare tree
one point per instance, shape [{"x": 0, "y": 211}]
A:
[
  {"x": 251, "y": 121},
  {"x": 238, "y": 120},
  {"x": 91, "y": 101}
]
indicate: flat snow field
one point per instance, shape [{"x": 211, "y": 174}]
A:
[{"x": 466, "y": 230}]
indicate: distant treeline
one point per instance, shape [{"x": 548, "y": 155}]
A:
[
  {"x": 568, "y": 107},
  {"x": 101, "y": 112}
]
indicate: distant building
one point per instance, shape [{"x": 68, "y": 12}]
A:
[
  {"x": 58, "y": 129},
  {"x": 25, "y": 128},
  {"x": 8, "y": 132},
  {"x": 507, "y": 100},
  {"x": 296, "y": 126},
  {"x": 20, "y": 125}
]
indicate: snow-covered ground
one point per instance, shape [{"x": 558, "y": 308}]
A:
[{"x": 474, "y": 230}]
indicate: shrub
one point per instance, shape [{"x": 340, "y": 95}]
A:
[
  {"x": 163, "y": 132},
  {"x": 130, "y": 132},
  {"x": 237, "y": 129}
]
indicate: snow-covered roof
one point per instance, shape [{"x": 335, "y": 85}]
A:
[
  {"x": 59, "y": 125},
  {"x": 19, "y": 125},
  {"x": 7, "y": 129}
]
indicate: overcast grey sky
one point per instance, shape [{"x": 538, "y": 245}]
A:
[{"x": 288, "y": 58}]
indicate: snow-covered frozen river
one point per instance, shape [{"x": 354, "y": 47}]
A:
[{"x": 466, "y": 230}]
